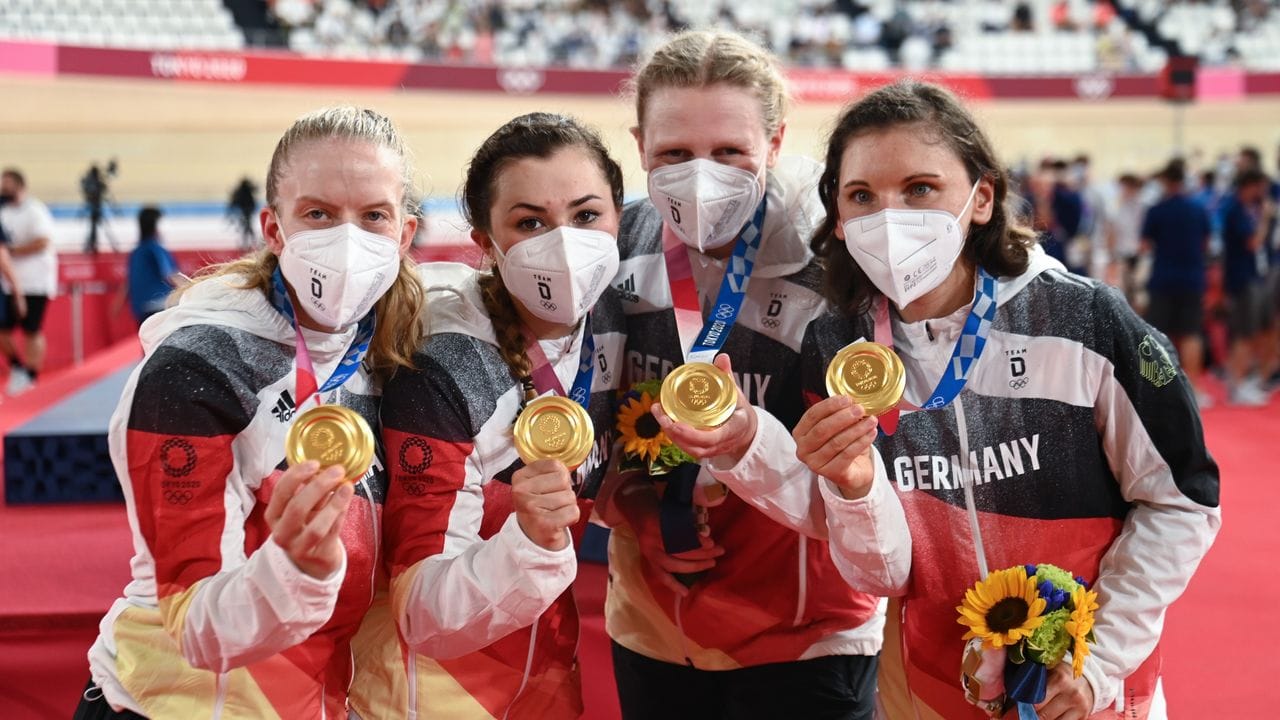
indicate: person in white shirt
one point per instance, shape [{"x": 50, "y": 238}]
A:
[{"x": 29, "y": 226}]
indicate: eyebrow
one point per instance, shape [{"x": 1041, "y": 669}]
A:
[
  {"x": 539, "y": 208},
  {"x": 310, "y": 199},
  {"x": 907, "y": 179}
]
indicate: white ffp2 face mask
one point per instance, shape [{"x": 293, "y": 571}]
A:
[
  {"x": 559, "y": 274},
  {"x": 906, "y": 253},
  {"x": 705, "y": 203},
  {"x": 338, "y": 273}
]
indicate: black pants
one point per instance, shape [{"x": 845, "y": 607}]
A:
[
  {"x": 838, "y": 687},
  {"x": 99, "y": 709}
]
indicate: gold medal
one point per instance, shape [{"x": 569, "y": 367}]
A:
[
  {"x": 870, "y": 373},
  {"x": 331, "y": 435},
  {"x": 556, "y": 428},
  {"x": 699, "y": 394}
]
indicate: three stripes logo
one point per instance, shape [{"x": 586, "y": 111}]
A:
[
  {"x": 284, "y": 408},
  {"x": 627, "y": 289}
]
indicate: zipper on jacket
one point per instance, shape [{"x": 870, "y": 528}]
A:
[
  {"x": 803, "y": 590},
  {"x": 528, "y": 668},
  {"x": 684, "y": 641},
  {"x": 411, "y": 683},
  {"x": 966, "y": 482},
  {"x": 221, "y": 698}
]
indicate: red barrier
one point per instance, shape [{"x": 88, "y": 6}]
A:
[
  {"x": 90, "y": 314},
  {"x": 285, "y": 68}
]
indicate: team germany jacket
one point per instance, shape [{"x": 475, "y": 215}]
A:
[
  {"x": 1085, "y": 450},
  {"x": 774, "y": 596},
  {"x": 217, "y": 621},
  {"x": 487, "y": 614}
]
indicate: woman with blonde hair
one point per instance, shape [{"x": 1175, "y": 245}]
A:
[
  {"x": 743, "y": 617},
  {"x": 251, "y": 577}
]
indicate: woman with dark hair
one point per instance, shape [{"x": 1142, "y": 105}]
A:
[
  {"x": 1057, "y": 427},
  {"x": 479, "y": 544}
]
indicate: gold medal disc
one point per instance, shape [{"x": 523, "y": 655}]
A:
[
  {"x": 331, "y": 435},
  {"x": 699, "y": 394},
  {"x": 870, "y": 373},
  {"x": 554, "y": 427}
]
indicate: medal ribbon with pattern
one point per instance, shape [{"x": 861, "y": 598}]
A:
[
  {"x": 544, "y": 376},
  {"x": 733, "y": 290},
  {"x": 306, "y": 376},
  {"x": 968, "y": 348}
]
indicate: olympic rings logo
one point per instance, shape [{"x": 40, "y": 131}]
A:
[
  {"x": 178, "y": 497},
  {"x": 725, "y": 311}
]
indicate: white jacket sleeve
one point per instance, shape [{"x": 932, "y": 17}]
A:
[
  {"x": 772, "y": 479},
  {"x": 460, "y": 603},
  {"x": 259, "y": 609},
  {"x": 869, "y": 539},
  {"x": 1154, "y": 442}
]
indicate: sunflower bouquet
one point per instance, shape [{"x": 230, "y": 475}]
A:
[
  {"x": 644, "y": 445},
  {"x": 1021, "y": 623}
]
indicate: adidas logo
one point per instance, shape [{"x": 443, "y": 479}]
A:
[
  {"x": 627, "y": 289},
  {"x": 283, "y": 411}
]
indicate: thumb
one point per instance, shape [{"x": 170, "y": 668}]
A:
[{"x": 722, "y": 361}]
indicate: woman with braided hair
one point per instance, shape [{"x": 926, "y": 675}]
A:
[{"x": 479, "y": 543}]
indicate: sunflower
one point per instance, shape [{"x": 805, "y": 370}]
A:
[
  {"x": 1003, "y": 609},
  {"x": 1081, "y": 625},
  {"x": 641, "y": 432}
]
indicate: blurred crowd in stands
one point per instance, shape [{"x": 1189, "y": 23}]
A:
[
  {"x": 851, "y": 34},
  {"x": 1195, "y": 247}
]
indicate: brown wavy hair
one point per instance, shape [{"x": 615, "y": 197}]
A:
[
  {"x": 1001, "y": 246},
  {"x": 399, "y": 310},
  {"x": 537, "y": 135}
]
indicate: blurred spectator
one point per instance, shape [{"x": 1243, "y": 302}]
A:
[
  {"x": 1177, "y": 231},
  {"x": 9, "y": 277},
  {"x": 242, "y": 208},
  {"x": 1059, "y": 211},
  {"x": 1209, "y": 197},
  {"x": 1124, "y": 234},
  {"x": 1023, "y": 21},
  {"x": 1246, "y": 217},
  {"x": 1091, "y": 237},
  {"x": 153, "y": 274},
  {"x": 29, "y": 226}
]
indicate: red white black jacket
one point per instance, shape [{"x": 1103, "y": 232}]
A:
[
  {"x": 774, "y": 596},
  {"x": 1087, "y": 452},
  {"x": 218, "y": 622},
  {"x": 486, "y": 613}
]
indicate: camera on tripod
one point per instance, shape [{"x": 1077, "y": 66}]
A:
[{"x": 96, "y": 189}]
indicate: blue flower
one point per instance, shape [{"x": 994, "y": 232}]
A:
[
  {"x": 1082, "y": 582},
  {"x": 1031, "y": 570},
  {"x": 1053, "y": 597}
]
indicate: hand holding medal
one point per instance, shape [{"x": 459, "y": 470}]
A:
[
  {"x": 834, "y": 437},
  {"x": 702, "y": 411},
  {"x": 553, "y": 436}
]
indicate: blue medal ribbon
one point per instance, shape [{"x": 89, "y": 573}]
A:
[
  {"x": 733, "y": 290},
  {"x": 677, "y": 517}
]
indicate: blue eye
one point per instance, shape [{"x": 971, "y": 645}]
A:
[
  {"x": 861, "y": 196},
  {"x": 920, "y": 190}
]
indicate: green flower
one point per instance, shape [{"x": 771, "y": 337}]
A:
[
  {"x": 1060, "y": 578},
  {"x": 653, "y": 387},
  {"x": 1050, "y": 642},
  {"x": 672, "y": 456}
]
